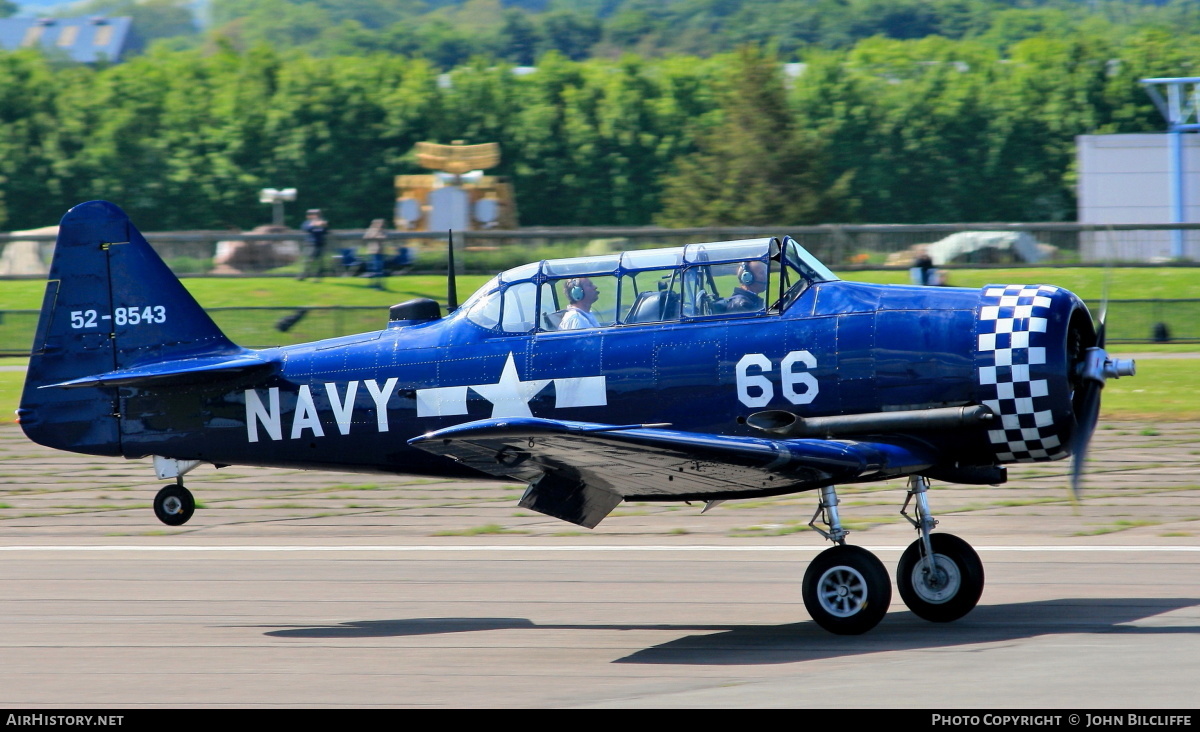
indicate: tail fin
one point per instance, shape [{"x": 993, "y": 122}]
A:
[{"x": 111, "y": 304}]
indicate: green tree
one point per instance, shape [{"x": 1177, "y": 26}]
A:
[
  {"x": 519, "y": 38},
  {"x": 28, "y": 95},
  {"x": 538, "y": 144},
  {"x": 445, "y": 45},
  {"x": 570, "y": 34},
  {"x": 279, "y": 23},
  {"x": 753, "y": 164}
]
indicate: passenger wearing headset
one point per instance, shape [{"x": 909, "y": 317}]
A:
[
  {"x": 581, "y": 294},
  {"x": 752, "y": 280}
]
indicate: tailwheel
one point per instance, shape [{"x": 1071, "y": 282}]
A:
[
  {"x": 947, "y": 590},
  {"x": 174, "y": 505},
  {"x": 847, "y": 590}
]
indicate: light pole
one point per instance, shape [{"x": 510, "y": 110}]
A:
[
  {"x": 276, "y": 199},
  {"x": 1181, "y": 109}
]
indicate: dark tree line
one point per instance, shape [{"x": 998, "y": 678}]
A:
[
  {"x": 449, "y": 32},
  {"x": 886, "y": 131}
]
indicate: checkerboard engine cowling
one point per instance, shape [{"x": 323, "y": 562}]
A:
[{"x": 1012, "y": 338}]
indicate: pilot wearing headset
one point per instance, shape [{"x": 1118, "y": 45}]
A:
[
  {"x": 581, "y": 294},
  {"x": 746, "y": 297}
]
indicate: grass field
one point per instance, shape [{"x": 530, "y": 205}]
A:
[
  {"x": 1168, "y": 283},
  {"x": 1087, "y": 282},
  {"x": 1164, "y": 389},
  {"x": 215, "y": 292}
]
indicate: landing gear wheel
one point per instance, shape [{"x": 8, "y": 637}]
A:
[
  {"x": 847, "y": 590},
  {"x": 949, "y": 592},
  {"x": 174, "y": 505}
]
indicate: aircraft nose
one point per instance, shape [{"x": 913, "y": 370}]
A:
[{"x": 1023, "y": 367}]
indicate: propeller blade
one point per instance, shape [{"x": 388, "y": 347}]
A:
[
  {"x": 1089, "y": 412},
  {"x": 1100, "y": 334},
  {"x": 1095, "y": 368}
]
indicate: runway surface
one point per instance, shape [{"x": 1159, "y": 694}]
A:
[{"x": 299, "y": 589}]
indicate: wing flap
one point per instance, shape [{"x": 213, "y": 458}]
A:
[{"x": 649, "y": 463}]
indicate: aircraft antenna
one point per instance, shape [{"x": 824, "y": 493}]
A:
[
  {"x": 783, "y": 273},
  {"x": 451, "y": 286}
]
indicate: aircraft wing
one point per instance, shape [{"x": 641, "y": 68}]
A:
[{"x": 579, "y": 471}]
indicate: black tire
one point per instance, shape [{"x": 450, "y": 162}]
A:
[
  {"x": 960, "y": 585},
  {"x": 847, "y": 590},
  {"x": 174, "y": 505}
]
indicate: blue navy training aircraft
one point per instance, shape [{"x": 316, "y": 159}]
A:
[{"x": 706, "y": 372}]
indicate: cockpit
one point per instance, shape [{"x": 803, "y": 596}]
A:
[{"x": 732, "y": 279}]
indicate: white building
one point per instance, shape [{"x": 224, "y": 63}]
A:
[{"x": 1125, "y": 179}]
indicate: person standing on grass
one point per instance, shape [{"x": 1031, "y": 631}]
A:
[{"x": 316, "y": 227}]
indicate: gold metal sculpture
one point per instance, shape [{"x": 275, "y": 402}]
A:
[
  {"x": 460, "y": 163},
  {"x": 457, "y": 158}
]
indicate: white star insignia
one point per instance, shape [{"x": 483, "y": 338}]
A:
[{"x": 510, "y": 396}]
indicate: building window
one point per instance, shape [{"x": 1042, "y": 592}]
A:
[
  {"x": 32, "y": 35},
  {"x": 68, "y": 36}
]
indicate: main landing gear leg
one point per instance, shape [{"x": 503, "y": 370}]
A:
[
  {"x": 846, "y": 588},
  {"x": 940, "y": 577},
  {"x": 174, "y": 504}
]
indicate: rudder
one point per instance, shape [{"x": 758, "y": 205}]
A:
[{"x": 111, "y": 303}]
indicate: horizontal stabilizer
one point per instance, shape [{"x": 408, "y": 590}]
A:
[
  {"x": 171, "y": 372},
  {"x": 650, "y": 463}
]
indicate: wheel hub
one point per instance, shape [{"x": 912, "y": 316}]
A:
[
  {"x": 173, "y": 505},
  {"x": 939, "y": 583},
  {"x": 842, "y": 591}
]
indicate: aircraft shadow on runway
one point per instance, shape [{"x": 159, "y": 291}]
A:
[{"x": 805, "y": 641}]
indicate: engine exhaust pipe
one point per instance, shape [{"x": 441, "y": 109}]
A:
[{"x": 786, "y": 424}]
